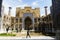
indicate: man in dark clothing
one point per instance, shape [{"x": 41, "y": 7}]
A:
[
  {"x": 28, "y": 32},
  {"x": 17, "y": 30},
  {"x": 7, "y": 30},
  {"x": 12, "y": 29}
]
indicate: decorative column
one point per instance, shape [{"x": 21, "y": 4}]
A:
[
  {"x": 23, "y": 23},
  {"x": 33, "y": 22},
  {"x": 37, "y": 23},
  {"x": 51, "y": 23},
  {"x": 14, "y": 23},
  {"x": 18, "y": 24}
]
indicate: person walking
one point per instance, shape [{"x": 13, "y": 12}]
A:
[
  {"x": 17, "y": 30},
  {"x": 28, "y": 31},
  {"x": 7, "y": 29}
]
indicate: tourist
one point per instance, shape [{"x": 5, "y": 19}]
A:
[
  {"x": 12, "y": 29},
  {"x": 17, "y": 30},
  {"x": 28, "y": 32},
  {"x": 7, "y": 29}
]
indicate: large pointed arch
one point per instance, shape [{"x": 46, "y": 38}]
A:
[{"x": 28, "y": 22}]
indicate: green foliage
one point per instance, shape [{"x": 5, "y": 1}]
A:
[{"x": 7, "y": 34}]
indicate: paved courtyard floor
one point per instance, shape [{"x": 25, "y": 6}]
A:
[
  {"x": 19, "y": 34},
  {"x": 24, "y": 38}
]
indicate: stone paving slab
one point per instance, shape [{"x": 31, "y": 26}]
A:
[
  {"x": 24, "y": 38},
  {"x": 31, "y": 34}
]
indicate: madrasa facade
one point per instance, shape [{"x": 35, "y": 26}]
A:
[{"x": 26, "y": 17}]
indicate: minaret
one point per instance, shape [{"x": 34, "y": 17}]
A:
[
  {"x": 1, "y": 13},
  {"x": 45, "y": 10},
  {"x": 9, "y": 10},
  {"x": 0, "y": 7},
  {"x": 9, "y": 16},
  {"x": 46, "y": 15}
]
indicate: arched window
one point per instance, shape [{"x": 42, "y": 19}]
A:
[
  {"x": 16, "y": 20},
  {"x": 4, "y": 16},
  {"x": 21, "y": 20},
  {"x": 27, "y": 10},
  {"x": 35, "y": 20}
]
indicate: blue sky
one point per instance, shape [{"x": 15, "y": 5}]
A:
[{"x": 23, "y": 3}]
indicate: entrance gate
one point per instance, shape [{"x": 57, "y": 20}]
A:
[{"x": 28, "y": 23}]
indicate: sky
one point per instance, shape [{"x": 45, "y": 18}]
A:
[{"x": 22, "y": 3}]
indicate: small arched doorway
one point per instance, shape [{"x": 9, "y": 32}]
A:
[{"x": 28, "y": 23}]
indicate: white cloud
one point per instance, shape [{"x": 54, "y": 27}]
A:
[
  {"x": 6, "y": 7},
  {"x": 22, "y": 6},
  {"x": 42, "y": 11},
  {"x": 35, "y": 3},
  {"x": 20, "y": 0}
]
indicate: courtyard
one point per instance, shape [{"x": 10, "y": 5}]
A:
[
  {"x": 29, "y": 19},
  {"x": 22, "y": 36}
]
